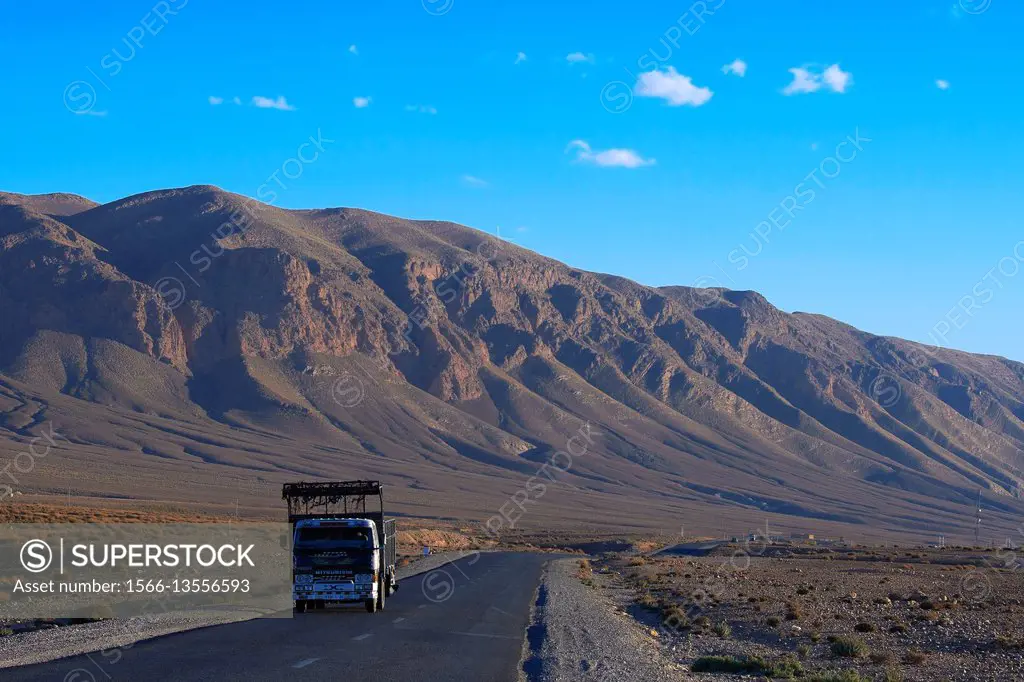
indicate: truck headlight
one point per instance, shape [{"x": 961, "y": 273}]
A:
[
  {"x": 303, "y": 578},
  {"x": 364, "y": 578}
]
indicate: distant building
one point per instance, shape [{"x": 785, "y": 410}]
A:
[{"x": 802, "y": 537}]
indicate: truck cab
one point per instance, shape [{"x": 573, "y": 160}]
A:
[{"x": 335, "y": 560}]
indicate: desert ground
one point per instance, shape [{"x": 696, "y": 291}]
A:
[
  {"x": 711, "y": 609},
  {"x": 829, "y": 613}
]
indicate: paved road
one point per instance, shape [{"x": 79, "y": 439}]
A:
[
  {"x": 465, "y": 621},
  {"x": 690, "y": 549}
]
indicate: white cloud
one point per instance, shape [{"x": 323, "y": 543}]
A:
[
  {"x": 236, "y": 100},
  {"x": 214, "y": 101},
  {"x": 737, "y": 66},
  {"x": 474, "y": 181},
  {"x": 942, "y": 85},
  {"x": 353, "y": 49},
  {"x": 520, "y": 58},
  {"x": 420, "y": 109},
  {"x": 268, "y": 103},
  {"x": 837, "y": 79},
  {"x": 608, "y": 158},
  {"x": 579, "y": 57},
  {"x": 673, "y": 87},
  {"x": 804, "y": 80},
  {"x": 361, "y": 102}
]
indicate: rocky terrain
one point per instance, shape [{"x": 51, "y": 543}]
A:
[
  {"x": 193, "y": 348},
  {"x": 869, "y": 614}
]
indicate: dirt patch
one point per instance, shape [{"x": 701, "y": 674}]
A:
[
  {"x": 413, "y": 541},
  {"x": 27, "y": 512}
]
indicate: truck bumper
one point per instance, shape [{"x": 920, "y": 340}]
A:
[{"x": 338, "y": 593}]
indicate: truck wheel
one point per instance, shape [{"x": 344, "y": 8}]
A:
[
  {"x": 300, "y": 606},
  {"x": 371, "y": 605}
]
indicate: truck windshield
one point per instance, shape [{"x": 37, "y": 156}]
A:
[{"x": 333, "y": 536}]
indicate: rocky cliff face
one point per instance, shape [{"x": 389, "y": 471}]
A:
[
  {"x": 55, "y": 280},
  {"x": 480, "y": 353}
]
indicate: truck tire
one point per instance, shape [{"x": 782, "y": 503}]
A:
[
  {"x": 300, "y": 606},
  {"x": 371, "y": 605}
]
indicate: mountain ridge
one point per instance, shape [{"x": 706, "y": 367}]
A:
[{"x": 471, "y": 354}]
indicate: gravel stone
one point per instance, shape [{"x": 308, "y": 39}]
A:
[{"x": 587, "y": 640}]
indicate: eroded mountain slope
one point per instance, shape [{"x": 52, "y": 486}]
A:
[{"x": 394, "y": 343}]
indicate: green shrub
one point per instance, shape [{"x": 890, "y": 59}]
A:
[
  {"x": 722, "y": 629},
  {"x": 727, "y": 664},
  {"x": 840, "y": 676},
  {"x": 675, "y": 617},
  {"x": 849, "y": 647},
  {"x": 785, "y": 668},
  {"x": 892, "y": 674}
]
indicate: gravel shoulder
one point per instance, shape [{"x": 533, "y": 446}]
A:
[
  {"x": 579, "y": 635},
  {"x": 40, "y": 646}
]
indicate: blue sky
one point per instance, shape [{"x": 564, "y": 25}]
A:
[{"x": 601, "y": 134}]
